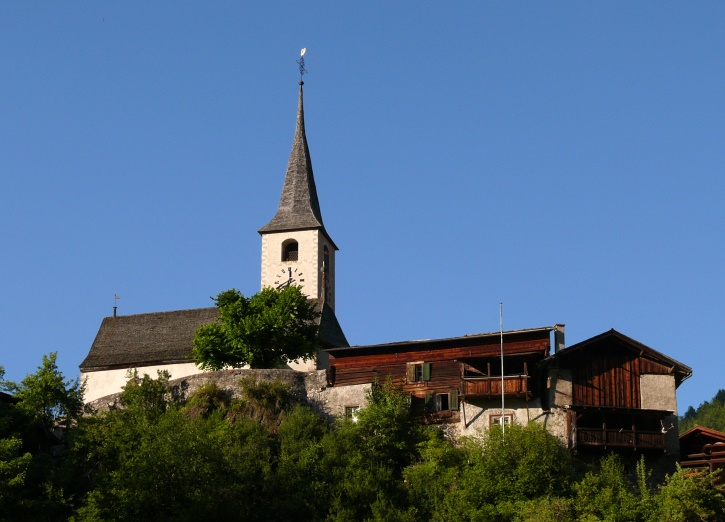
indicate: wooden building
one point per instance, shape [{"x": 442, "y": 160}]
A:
[
  {"x": 443, "y": 376},
  {"x": 609, "y": 392},
  {"x": 703, "y": 449}
]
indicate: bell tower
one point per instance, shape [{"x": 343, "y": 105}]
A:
[{"x": 296, "y": 248}]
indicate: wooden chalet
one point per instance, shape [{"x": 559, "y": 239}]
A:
[
  {"x": 703, "y": 449},
  {"x": 617, "y": 394},
  {"x": 442, "y": 375}
]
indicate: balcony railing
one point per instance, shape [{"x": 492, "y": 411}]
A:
[
  {"x": 514, "y": 386},
  {"x": 620, "y": 438}
]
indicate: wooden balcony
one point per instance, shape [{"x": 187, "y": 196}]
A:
[
  {"x": 490, "y": 387},
  {"x": 620, "y": 439}
]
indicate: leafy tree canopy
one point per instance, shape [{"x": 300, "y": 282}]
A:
[
  {"x": 266, "y": 330},
  {"x": 263, "y": 454},
  {"x": 47, "y": 397}
]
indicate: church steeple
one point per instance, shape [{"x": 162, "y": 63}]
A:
[
  {"x": 296, "y": 249},
  {"x": 299, "y": 208}
]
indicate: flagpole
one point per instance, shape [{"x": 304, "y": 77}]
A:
[{"x": 503, "y": 416}]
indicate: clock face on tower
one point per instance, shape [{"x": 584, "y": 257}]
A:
[{"x": 288, "y": 276}]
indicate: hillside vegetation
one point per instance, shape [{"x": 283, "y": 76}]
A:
[
  {"x": 710, "y": 414},
  {"x": 267, "y": 457}
]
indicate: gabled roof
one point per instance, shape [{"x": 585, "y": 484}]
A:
[
  {"x": 299, "y": 208},
  {"x": 680, "y": 370},
  {"x": 128, "y": 341},
  {"x": 710, "y": 434},
  {"x": 702, "y": 447}
]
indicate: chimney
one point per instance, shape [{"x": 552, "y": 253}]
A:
[{"x": 559, "y": 344}]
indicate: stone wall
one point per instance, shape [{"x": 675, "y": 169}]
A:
[{"x": 307, "y": 387}]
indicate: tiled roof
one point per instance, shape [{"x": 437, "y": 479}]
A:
[
  {"x": 299, "y": 207},
  {"x": 128, "y": 341}
]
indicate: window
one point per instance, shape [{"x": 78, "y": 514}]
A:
[
  {"x": 326, "y": 260},
  {"x": 351, "y": 412},
  {"x": 290, "y": 250},
  {"x": 418, "y": 372},
  {"x": 495, "y": 420},
  {"x": 442, "y": 401}
]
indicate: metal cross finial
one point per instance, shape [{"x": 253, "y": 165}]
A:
[{"x": 301, "y": 63}]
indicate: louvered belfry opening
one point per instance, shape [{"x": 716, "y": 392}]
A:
[{"x": 290, "y": 251}]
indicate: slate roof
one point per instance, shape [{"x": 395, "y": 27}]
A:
[
  {"x": 128, "y": 341},
  {"x": 146, "y": 339},
  {"x": 299, "y": 208},
  {"x": 330, "y": 332}
]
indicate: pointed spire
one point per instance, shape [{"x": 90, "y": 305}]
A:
[{"x": 298, "y": 206}]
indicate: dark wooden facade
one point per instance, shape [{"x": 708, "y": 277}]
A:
[
  {"x": 606, "y": 406},
  {"x": 608, "y": 374},
  {"x": 440, "y": 373},
  {"x": 703, "y": 449}
]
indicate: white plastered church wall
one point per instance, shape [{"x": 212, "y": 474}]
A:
[{"x": 106, "y": 382}]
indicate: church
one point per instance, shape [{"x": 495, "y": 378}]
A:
[
  {"x": 609, "y": 392},
  {"x": 296, "y": 249}
]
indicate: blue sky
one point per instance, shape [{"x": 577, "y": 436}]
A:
[{"x": 564, "y": 158}]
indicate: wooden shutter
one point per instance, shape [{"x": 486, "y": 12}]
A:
[
  {"x": 454, "y": 400},
  {"x": 410, "y": 372},
  {"x": 426, "y": 371}
]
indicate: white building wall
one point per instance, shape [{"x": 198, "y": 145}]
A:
[
  {"x": 106, "y": 382},
  {"x": 658, "y": 392},
  {"x": 476, "y": 415},
  {"x": 307, "y": 270},
  {"x": 274, "y": 270}
]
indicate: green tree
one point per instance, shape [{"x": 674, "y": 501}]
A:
[
  {"x": 266, "y": 330},
  {"x": 710, "y": 414},
  {"x": 37, "y": 479},
  {"x": 47, "y": 398},
  {"x": 689, "y": 496},
  {"x": 158, "y": 459},
  {"x": 605, "y": 493},
  {"x": 148, "y": 398},
  {"x": 492, "y": 477},
  {"x": 13, "y": 470}
]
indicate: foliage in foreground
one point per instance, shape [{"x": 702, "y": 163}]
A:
[{"x": 265, "y": 456}]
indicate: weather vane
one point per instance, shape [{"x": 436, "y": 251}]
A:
[{"x": 301, "y": 63}]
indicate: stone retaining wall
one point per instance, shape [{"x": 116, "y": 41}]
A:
[{"x": 306, "y": 387}]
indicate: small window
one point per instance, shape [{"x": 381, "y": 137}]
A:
[
  {"x": 351, "y": 412},
  {"x": 495, "y": 420},
  {"x": 290, "y": 250},
  {"x": 418, "y": 372},
  {"x": 443, "y": 401}
]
